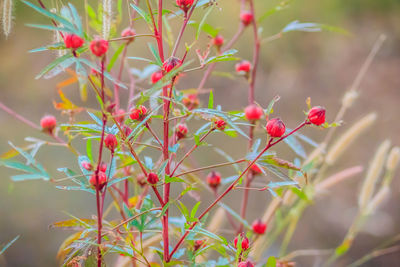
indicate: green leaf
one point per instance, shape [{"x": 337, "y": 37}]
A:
[
  {"x": 226, "y": 56},
  {"x": 89, "y": 150},
  {"x": 53, "y": 64},
  {"x": 211, "y": 100},
  {"x": 8, "y": 245},
  {"x": 173, "y": 180},
  {"x": 115, "y": 57},
  {"x": 271, "y": 262},
  {"x": 295, "y": 145},
  {"x": 51, "y": 28},
  {"x": 155, "y": 54},
  {"x": 203, "y": 20},
  {"x": 194, "y": 210},
  {"x": 142, "y": 13}
]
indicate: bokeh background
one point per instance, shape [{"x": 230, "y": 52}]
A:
[{"x": 321, "y": 65}]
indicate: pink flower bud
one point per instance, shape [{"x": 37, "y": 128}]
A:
[
  {"x": 99, "y": 47},
  {"x": 103, "y": 167},
  {"x": 259, "y": 227},
  {"x": 181, "y": 131},
  {"x": 276, "y": 127},
  {"x": 316, "y": 115},
  {"x": 214, "y": 179},
  {"x": 245, "y": 264},
  {"x": 87, "y": 165},
  {"x": 111, "y": 142},
  {"x": 246, "y": 17},
  {"x": 127, "y": 131},
  {"x": 129, "y": 32},
  {"x": 156, "y": 76},
  {"x": 171, "y": 63},
  {"x": 191, "y": 101},
  {"x": 100, "y": 182},
  {"x": 243, "y": 66},
  {"x": 141, "y": 180},
  {"x": 220, "y": 124},
  {"x": 218, "y": 41},
  {"x": 253, "y": 112},
  {"x": 245, "y": 241},
  {"x": 48, "y": 123},
  {"x": 184, "y": 4},
  {"x": 152, "y": 178},
  {"x": 255, "y": 169},
  {"x": 73, "y": 41},
  {"x": 199, "y": 243}
]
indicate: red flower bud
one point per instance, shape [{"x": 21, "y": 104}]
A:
[
  {"x": 184, "y": 4},
  {"x": 276, "y": 127},
  {"x": 156, "y": 76},
  {"x": 255, "y": 169},
  {"x": 218, "y": 41},
  {"x": 198, "y": 244},
  {"x": 246, "y": 17},
  {"x": 253, "y": 112},
  {"x": 316, "y": 115},
  {"x": 103, "y": 167},
  {"x": 119, "y": 115},
  {"x": 243, "y": 66},
  {"x": 102, "y": 179},
  {"x": 129, "y": 32},
  {"x": 152, "y": 178},
  {"x": 87, "y": 165},
  {"x": 220, "y": 124},
  {"x": 138, "y": 114},
  {"x": 259, "y": 227},
  {"x": 99, "y": 47},
  {"x": 171, "y": 63},
  {"x": 141, "y": 180},
  {"x": 73, "y": 41},
  {"x": 245, "y": 264},
  {"x": 245, "y": 241},
  {"x": 127, "y": 131},
  {"x": 111, "y": 142},
  {"x": 191, "y": 101},
  {"x": 48, "y": 123},
  {"x": 181, "y": 131},
  {"x": 214, "y": 179}
]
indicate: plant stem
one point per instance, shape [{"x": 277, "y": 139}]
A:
[{"x": 210, "y": 167}]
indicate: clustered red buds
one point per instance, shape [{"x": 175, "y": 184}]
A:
[
  {"x": 275, "y": 127},
  {"x": 156, "y": 76},
  {"x": 73, "y": 41},
  {"x": 128, "y": 32},
  {"x": 191, "y": 101},
  {"x": 220, "y": 124},
  {"x": 255, "y": 170},
  {"x": 181, "y": 131},
  {"x": 184, "y": 4},
  {"x": 99, "y": 47},
  {"x": 246, "y": 17},
  {"x": 245, "y": 264},
  {"x": 218, "y": 40},
  {"x": 243, "y": 66},
  {"x": 152, "y": 178},
  {"x": 87, "y": 165},
  {"x": 111, "y": 142},
  {"x": 48, "y": 123},
  {"x": 253, "y": 112},
  {"x": 138, "y": 114},
  {"x": 171, "y": 63},
  {"x": 102, "y": 180},
  {"x": 214, "y": 179},
  {"x": 316, "y": 115},
  {"x": 259, "y": 227},
  {"x": 245, "y": 241},
  {"x": 199, "y": 243}
]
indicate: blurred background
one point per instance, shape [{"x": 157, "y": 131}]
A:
[{"x": 320, "y": 65}]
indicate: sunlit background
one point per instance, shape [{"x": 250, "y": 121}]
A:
[{"x": 320, "y": 65}]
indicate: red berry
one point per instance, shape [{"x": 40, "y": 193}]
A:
[
  {"x": 245, "y": 241},
  {"x": 246, "y": 17},
  {"x": 171, "y": 63},
  {"x": 243, "y": 66},
  {"x": 103, "y": 167},
  {"x": 259, "y": 227},
  {"x": 102, "y": 179},
  {"x": 152, "y": 178},
  {"x": 181, "y": 131},
  {"x": 156, "y": 76},
  {"x": 48, "y": 123},
  {"x": 255, "y": 169},
  {"x": 253, "y": 112},
  {"x": 218, "y": 41},
  {"x": 220, "y": 124},
  {"x": 198, "y": 244},
  {"x": 87, "y": 165},
  {"x": 119, "y": 115},
  {"x": 129, "y": 32},
  {"x": 276, "y": 127},
  {"x": 138, "y": 114},
  {"x": 99, "y": 47},
  {"x": 191, "y": 101},
  {"x": 111, "y": 142},
  {"x": 184, "y": 4},
  {"x": 214, "y": 179},
  {"x": 316, "y": 115},
  {"x": 245, "y": 264},
  {"x": 73, "y": 41}
]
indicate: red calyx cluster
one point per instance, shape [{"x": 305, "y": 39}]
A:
[
  {"x": 184, "y": 4},
  {"x": 191, "y": 101},
  {"x": 111, "y": 142},
  {"x": 253, "y": 112},
  {"x": 181, "y": 131},
  {"x": 129, "y": 32},
  {"x": 138, "y": 114},
  {"x": 214, "y": 179},
  {"x": 218, "y": 41},
  {"x": 171, "y": 63},
  {"x": 243, "y": 66},
  {"x": 102, "y": 180},
  {"x": 316, "y": 115},
  {"x": 245, "y": 241},
  {"x": 246, "y": 17},
  {"x": 48, "y": 123},
  {"x": 275, "y": 127},
  {"x": 73, "y": 41},
  {"x": 99, "y": 47},
  {"x": 220, "y": 124},
  {"x": 152, "y": 178},
  {"x": 156, "y": 76},
  {"x": 245, "y": 264},
  {"x": 103, "y": 167},
  {"x": 259, "y": 227}
]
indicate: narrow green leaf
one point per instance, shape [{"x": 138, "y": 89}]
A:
[{"x": 8, "y": 245}]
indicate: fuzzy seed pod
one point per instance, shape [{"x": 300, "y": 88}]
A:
[
  {"x": 7, "y": 16},
  {"x": 393, "y": 159},
  {"x": 348, "y": 137},
  {"x": 378, "y": 199},
  {"x": 107, "y": 18},
  {"x": 349, "y": 98},
  {"x": 373, "y": 174}
]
